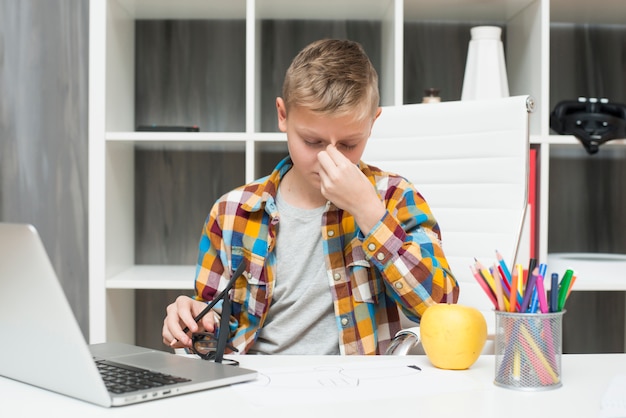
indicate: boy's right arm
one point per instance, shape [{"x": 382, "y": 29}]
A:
[{"x": 181, "y": 314}]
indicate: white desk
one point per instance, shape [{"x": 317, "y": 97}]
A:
[{"x": 585, "y": 380}]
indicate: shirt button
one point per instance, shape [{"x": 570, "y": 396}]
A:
[
  {"x": 371, "y": 246},
  {"x": 337, "y": 276},
  {"x": 380, "y": 256},
  {"x": 331, "y": 233},
  {"x": 344, "y": 321},
  {"x": 398, "y": 285}
]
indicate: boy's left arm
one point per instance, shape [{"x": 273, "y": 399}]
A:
[
  {"x": 401, "y": 235},
  {"x": 405, "y": 246}
]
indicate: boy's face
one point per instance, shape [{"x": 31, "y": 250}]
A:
[{"x": 309, "y": 133}]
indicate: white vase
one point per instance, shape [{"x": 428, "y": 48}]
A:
[{"x": 485, "y": 70}]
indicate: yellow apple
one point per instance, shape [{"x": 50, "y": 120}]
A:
[{"x": 453, "y": 335}]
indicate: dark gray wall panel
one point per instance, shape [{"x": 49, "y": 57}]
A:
[{"x": 43, "y": 133}]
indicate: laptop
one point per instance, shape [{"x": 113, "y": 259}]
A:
[{"x": 44, "y": 346}]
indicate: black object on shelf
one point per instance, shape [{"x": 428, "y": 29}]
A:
[
  {"x": 167, "y": 128},
  {"x": 593, "y": 121}
]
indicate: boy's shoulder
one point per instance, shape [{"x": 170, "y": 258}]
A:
[
  {"x": 379, "y": 174},
  {"x": 250, "y": 193}
]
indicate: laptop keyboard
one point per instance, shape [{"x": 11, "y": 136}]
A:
[{"x": 120, "y": 378}]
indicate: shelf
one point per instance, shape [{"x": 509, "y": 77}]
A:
[
  {"x": 594, "y": 271},
  {"x": 322, "y": 9},
  {"x": 195, "y": 137},
  {"x": 188, "y": 9},
  {"x": 463, "y": 11},
  {"x": 568, "y": 140},
  {"x": 603, "y": 12},
  {"x": 154, "y": 277},
  {"x": 214, "y": 141},
  {"x": 265, "y": 9}
]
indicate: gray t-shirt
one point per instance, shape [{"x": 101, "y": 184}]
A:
[{"x": 301, "y": 319}]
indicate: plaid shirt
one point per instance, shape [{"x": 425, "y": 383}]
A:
[{"x": 400, "y": 263}]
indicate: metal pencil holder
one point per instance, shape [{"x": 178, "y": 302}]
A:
[{"x": 528, "y": 350}]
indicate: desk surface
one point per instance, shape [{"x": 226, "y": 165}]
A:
[{"x": 585, "y": 380}]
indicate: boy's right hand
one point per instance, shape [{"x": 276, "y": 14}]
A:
[{"x": 181, "y": 314}]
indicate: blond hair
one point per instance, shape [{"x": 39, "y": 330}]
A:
[{"x": 332, "y": 76}]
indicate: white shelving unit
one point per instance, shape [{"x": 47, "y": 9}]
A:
[{"x": 113, "y": 275}]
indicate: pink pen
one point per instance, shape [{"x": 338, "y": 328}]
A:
[{"x": 543, "y": 302}]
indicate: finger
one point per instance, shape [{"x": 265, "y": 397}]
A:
[
  {"x": 325, "y": 160},
  {"x": 209, "y": 320},
  {"x": 332, "y": 162},
  {"x": 337, "y": 156},
  {"x": 187, "y": 310},
  {"x": 328, "y": 159},
  {"x": 169, "y": 340},
  {"x": 176, "y": 338},
  {"x": 334, "y": 153},
  {"x": 168, "y": 335},
  {"x": 179, "y": 315}
]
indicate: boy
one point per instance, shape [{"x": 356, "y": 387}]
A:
[{"x": 331, "y": 246}]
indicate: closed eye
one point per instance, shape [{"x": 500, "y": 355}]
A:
[
  {"x": 348, "y": 147},
  {"x": 313, "y": 144}
]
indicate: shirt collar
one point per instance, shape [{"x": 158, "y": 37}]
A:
[{"x": 263, "y": 191}]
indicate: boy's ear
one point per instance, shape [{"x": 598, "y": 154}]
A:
[
  {"x": 281, "y": 113},
  {"x": 378, "y": 112}
]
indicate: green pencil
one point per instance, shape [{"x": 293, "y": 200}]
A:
[{"x": 564, "y": 288}]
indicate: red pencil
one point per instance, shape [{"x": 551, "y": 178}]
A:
[{"x": 507, "y": 285}]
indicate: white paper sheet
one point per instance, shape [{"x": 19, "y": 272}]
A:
[{"x": 355, "y": 381}]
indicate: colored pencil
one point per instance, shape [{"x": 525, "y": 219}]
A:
[
  {"x": 535, "y": 348},
  {"x": 541, "y": 293},
  {"x": 486, "y": 274},
  {"x": 483, "y": 284},
  {"x": 564, "y": 288},
  {"x": 554, "y": 292},
  {"x": 570, "y": 286},
  {"x": 520, "y": 282},
  {"x": 513, "y": 297},
  {"x": 505, "y": 282},
  {"x": 505, "y": 269},
  {"x": 528, "y": 293},
  {"x": 498, "y": 289}
]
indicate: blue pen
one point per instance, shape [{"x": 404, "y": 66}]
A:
[
  {"x": 554, "y": 291},
  {"x": 534, "y": 301}
]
